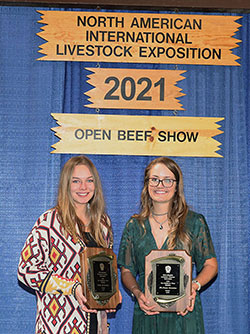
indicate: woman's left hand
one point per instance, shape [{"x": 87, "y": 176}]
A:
[
  {"x": 208, "y": 272},
  {"x": 192, "y": 302}
]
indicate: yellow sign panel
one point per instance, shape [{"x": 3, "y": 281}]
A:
[
  {"x": 119, "y": 88},
  {"x": 139, "y": 37},
  {"x": 137, "y": 135}
]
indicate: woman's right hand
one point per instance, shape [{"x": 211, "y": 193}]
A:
[
  {"x": 130, "y": 283},
  {"x": 82, "y": 300},
  {"x": 144, "y": 303}
]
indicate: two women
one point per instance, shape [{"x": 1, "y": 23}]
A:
[{"x": 50, "y": 258}]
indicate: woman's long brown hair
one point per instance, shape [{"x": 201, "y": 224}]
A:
[
  {"x": 65, "y": 204},
  {"x": 177, "y": 235}
]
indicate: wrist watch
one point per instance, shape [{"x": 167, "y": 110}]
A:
[{"x": 198, "y": 283}]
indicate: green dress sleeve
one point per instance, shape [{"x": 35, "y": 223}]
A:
[
  {"x": 126, "y": 255},
  {"x": 202, "y": 245}
]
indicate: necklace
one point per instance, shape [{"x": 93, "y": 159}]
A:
[
  {"x": 159, "y": 214},
  {"x": 160, "y": 223}
]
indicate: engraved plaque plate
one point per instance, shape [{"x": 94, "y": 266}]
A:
[
  {"x": 168, "y": 280},
  {"x": 99, "y": 278}
]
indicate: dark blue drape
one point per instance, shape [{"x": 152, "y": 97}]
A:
[{"x": 217, "y": 187}]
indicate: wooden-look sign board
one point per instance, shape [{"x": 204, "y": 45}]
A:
[
  {"x": 123, "y": 88},
  {"x": 137, "y": 135},
  {"x": 138, "y": 37}
]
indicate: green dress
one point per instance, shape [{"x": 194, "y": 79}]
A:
[{"x": 135, "y": 246}]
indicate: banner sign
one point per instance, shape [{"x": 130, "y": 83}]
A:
[
  {"x": 137, "y": 135},
  {"x": 138, "y": 37},
  {"x": 119, "y": 88}
]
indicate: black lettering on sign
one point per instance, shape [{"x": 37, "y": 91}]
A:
[
  {"x": 94, "y": 134},
  {"x": 128, "y": 89},
  {"x": 180, "y": 136}
]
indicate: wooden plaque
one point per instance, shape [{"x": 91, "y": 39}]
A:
[
  {"x": 99, "y": 278},
  {"x": 168, "y": 280}
]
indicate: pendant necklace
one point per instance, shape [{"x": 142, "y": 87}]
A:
[{"x": 160, "y": 223}]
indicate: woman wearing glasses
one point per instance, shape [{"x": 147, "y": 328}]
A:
[{"x": 165, "y": 222}]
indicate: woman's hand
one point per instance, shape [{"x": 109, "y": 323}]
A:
[
  {"x": 190, "y": 307},
  {"x": 144, "y": 303},
  {"x": 82, "y": 300},
  {"x": 130, "y": 283},
  {"x": 208, "y": 272}
]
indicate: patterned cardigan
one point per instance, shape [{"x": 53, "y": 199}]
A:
[{"x": 50, "y": 264}]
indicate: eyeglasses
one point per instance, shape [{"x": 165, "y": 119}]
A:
[{"x": 154, "y": 182}]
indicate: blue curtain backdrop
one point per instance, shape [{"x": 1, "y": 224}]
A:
[{"x": 217, "y": 187}]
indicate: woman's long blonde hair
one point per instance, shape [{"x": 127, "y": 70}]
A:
[
  {"x": 65, "y": 204},
  {"x": 178, "y": 209}
]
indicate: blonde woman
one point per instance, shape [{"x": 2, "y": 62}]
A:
[
  {"x": 50, "y": 262},
  {"x": 165, "y": 222}
]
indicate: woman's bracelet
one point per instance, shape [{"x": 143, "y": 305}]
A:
[
  {"x": 197, "y": 283},
  {"x": 73, "y": 291},
  {"x": 132, "y": 288}
]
